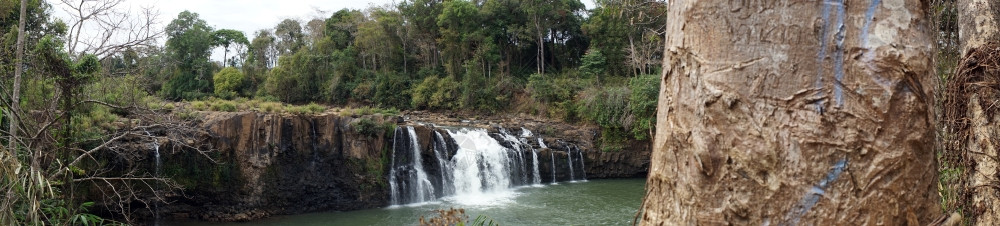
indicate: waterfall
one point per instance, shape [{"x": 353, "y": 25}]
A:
[
  {"x": 534, "y": 162},
  {"x": 483, "y": 169},
  {"x": 393, "y": 187},
  {"x": 569, "y": 156},
  {"x": 156, "y": 173},
  {"x": 425, "y": 190},
  {"x": 553, "y": 158},
  {"x": 541, "y": 143},
  {"x": 444, "y": 163},
  {"x": 583, "y": 165},
  {"x": 408, "y": 182},
  {"x": 156, "y": 149},
  {"x": 481, "y": 163}
]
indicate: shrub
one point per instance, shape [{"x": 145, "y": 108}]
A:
[
  {"x": 315, "y": 108},
  {"x": 228, "y": 83},
  {"x": 445, "y": 95},
  {"x": 199, "y": 105},
  {"x": 271, "y": 107},
  {"x": 224, "y": 105},
  {"x": 421, "y": 94},
  {"x": 368, "y": 127}
]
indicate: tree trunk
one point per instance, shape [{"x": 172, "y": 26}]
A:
[
  {"x": 975, "y": 86},
  {"x": 977, "y": 23},
  {"x": 795, "y": 112},
  {"x": 15, "y": 104}
]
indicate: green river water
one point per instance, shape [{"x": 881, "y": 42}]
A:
[{"x": 595, "y": 202}]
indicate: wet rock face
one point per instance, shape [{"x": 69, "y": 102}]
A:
[
  {"x": 795, "y": 112},
  {"x": 272, "y": 164}
]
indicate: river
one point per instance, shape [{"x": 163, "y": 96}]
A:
[{"x": 594, "y": 202}]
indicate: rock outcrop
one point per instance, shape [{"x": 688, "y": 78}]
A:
[{"x": 269, "y": 164}]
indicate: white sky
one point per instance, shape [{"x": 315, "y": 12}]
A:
[{"x": 250, "y": 16}]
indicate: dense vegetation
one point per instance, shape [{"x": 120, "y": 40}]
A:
[{"x": 550, "y": 58}]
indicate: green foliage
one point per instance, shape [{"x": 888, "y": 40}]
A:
[
  {"x": 199, "y": 105},
  {"x": 484, "y": 220},
  {"x": 371, "y": 111},
  {"x": 645, "y": 91},
  {"x": 58, "y": 214},
  {"x": 94, "y": 122},
  {"x": 435, "y": 93},
  {"x": 228, "y": 83},
  {"x": 608, "y": 107},
  {"x": 289, "y": 34},
  {"x": 421, "y": 94},
  {"x": 391, "y": 90},
  {"x": 189, "y": 46},
  {"x": 593, "y": 64},
  {"x": 559, "y": 93},
  {"x": 311, "y": 108},
  {"x": 223, "y": 105},
  {"x": 368, "y": 127},
  {"x": 120, "y": 91}
]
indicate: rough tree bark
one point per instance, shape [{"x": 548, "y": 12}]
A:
[
  {"x": 975, "y": 86},
  {"x": 977, "y": 23},
  {"x": 795, "y": 112}
]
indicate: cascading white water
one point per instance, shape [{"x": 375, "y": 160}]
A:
[
  {"x": 482, "y": 170},
  {"x": 481, "y": 163},
  {"x": 425, "y": 190},
  {"x": 553, "y": 158},
  {"x": 393, "y": 186},
  {"x": 583, "y": 166},
  {"x": 446, "y": 166},
  {"x": 156, "y": 153},
  {"x": 541, "y": 143},
  {"x": 534, "y": 161},
  {"x": 569, "y": 159}
]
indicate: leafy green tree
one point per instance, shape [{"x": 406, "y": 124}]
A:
[
  {"x": 645, "y": 91},
  {"x": 261, "y": 55},
  {"x": 593, "y": 64},
  {"x": 342, "y": 26},
  {"x": 189, "y": 45},
  {"x": 628, "y": 33},
  {"x": 289, "y": 36},
  {"x": 226, "y": 37},
  {"x": 459, "y": 22},
  {"x": 228, "y": 83},
  {"x": 421, "y": 18}
]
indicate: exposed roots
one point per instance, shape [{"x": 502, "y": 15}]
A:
[{"x": 976, "y": 78}]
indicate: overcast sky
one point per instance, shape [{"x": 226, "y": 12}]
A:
[{"x": 250, "y": 16}]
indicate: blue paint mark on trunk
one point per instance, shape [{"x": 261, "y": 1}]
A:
[
  {"x": 821, "y": 56},
  {"x": 869, "y": 16},
  {"x": 838, "y": 66},
  {"x": 814, "y": 193}
]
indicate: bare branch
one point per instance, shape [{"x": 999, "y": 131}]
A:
[{"x": 107, "y": 27}]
